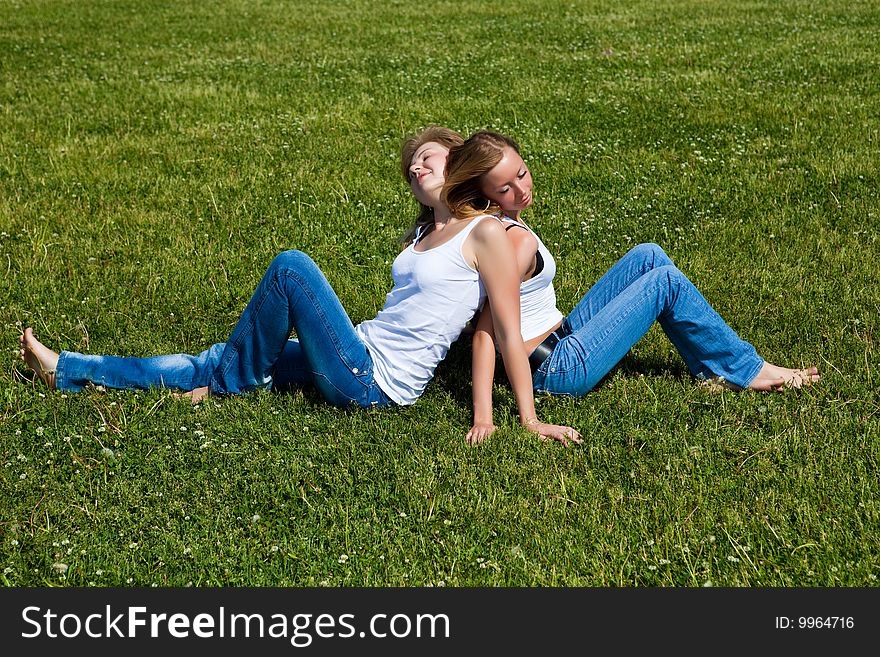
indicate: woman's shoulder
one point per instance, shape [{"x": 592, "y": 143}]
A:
[
  {"x": 487, "y": 226},
  {"x": 520, "y": 235}
]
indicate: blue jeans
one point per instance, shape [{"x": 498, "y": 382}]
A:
[
  {"x": 293, "y": 294},
  {"x": 641, "y": 287}
]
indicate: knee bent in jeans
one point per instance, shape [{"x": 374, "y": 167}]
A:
[
  {"x": 652, "y": 253},
  {"x": 293, "y": 259}
]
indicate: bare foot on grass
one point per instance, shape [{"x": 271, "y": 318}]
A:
[
  {"x": 42, "y": 360},
  {"x": 773, "y": 378}
]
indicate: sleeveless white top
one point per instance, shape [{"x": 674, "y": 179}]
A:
[
  {"x": 537, "y": 300},
  {"x": 435, "y": 293}
]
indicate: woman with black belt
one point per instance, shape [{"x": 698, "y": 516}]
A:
[{"x": 570, "y": 355}]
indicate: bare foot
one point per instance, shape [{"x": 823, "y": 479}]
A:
[
  {"x": 774, "y": 378},
  {"x": 195, "y": 396},
  {"x": 42, "y": 360}
]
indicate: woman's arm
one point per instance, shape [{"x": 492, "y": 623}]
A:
[
  {"x": 483, "y": 342},
  {"x": 496, "y": 262},
  {"x": 483, "y": 372}
]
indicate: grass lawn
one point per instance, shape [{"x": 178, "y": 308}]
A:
[{"x": 155, "y": 156}]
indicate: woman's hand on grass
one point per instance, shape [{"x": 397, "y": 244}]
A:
[
  {"x": 556, "y": 432},
  {"x": 479, "y": 432}
]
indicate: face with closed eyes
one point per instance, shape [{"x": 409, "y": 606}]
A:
[
  {"x": 427, "y": 172},
  {"x": 509, "y": 183}
]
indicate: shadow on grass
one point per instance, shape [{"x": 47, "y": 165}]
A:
[
  {"x": 453, "y": 375},
  {"x": 640, "y": 365}
]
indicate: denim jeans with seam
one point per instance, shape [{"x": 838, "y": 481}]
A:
[
  {"x": 642, "y": 287},
  {"x": 292, "y": 295}
]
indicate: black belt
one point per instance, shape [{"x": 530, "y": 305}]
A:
[{"x": 543, "y": 350}]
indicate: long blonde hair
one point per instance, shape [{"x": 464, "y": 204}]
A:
[
  {"x": 444, "y": 137},
  {"x": 465, "y": 168}
]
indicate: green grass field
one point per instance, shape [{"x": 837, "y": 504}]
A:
[{"x": 155, "y": 156}]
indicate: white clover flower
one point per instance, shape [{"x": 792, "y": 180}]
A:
[
  {"x": 59, "y": 568},
  {"x": 40, "y": 431},
  {"x": 343, "y": 558}
]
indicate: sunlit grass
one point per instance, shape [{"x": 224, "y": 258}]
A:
[{"x": 154, "y": 157}]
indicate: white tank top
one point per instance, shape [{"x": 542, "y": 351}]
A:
[
  {"x": 435, "y": 293},
  {"x": 537, "y": 300}
]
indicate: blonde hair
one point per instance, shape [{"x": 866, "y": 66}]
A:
[
  {"x": 465, "y": 168},
  {"x": 440, "y": 135}
]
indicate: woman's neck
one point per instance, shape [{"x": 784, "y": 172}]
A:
[{"x": 442, "y": 215}]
